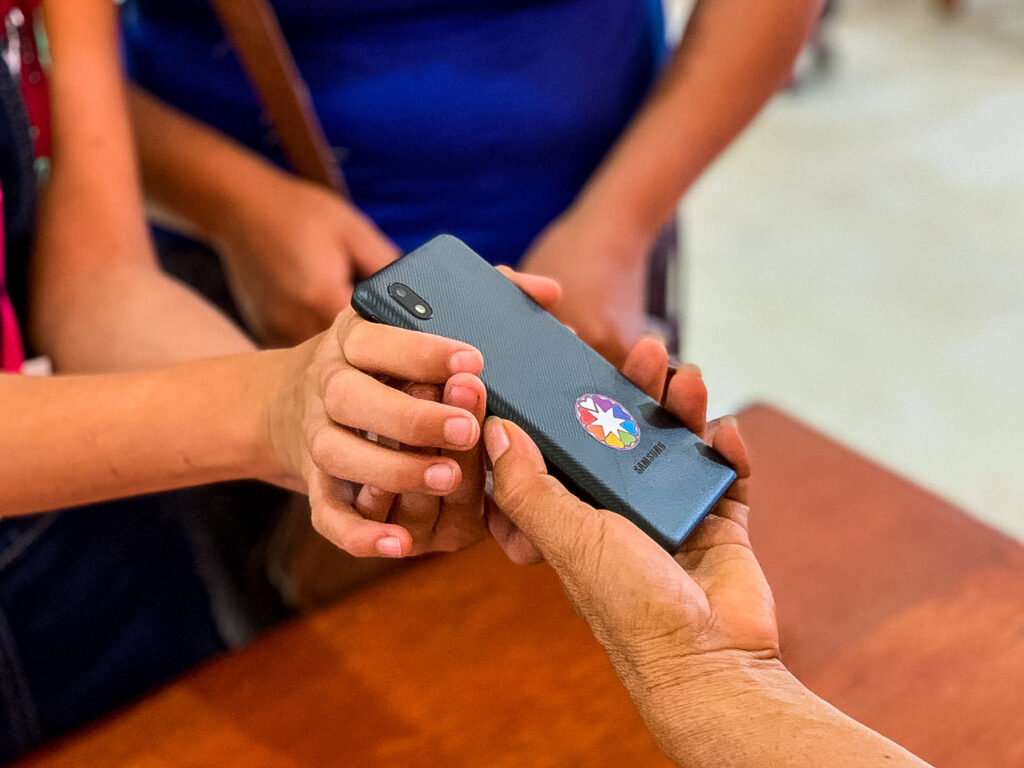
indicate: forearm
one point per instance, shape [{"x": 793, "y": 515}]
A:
[
  {"x": 757, "y": 714},
  {"x": 733, "y": 56},
  {"x": 94, "y": 175},
  {"x": 128, "y": 317},
  {"x": 125, "y": 434},
  {"x": 195, "y": 178},
  {"x": 99, "y": 300}
]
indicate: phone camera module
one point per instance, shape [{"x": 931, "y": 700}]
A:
[{"x": 410, "y": 301}]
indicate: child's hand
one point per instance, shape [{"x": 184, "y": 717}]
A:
[{"x": 418, "y": 485}]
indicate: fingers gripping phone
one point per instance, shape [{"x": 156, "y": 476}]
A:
[{"x": 606, "y": 439}]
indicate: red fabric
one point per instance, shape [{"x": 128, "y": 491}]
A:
[
  {"x": 12, "y": 354},
  {"x": 36, "y": 94},
  {"x": 34, "y": 88}
]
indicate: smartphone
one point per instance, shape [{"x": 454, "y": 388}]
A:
[{"x": 611, "y": 444}]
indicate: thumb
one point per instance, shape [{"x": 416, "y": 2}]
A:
[
  {"x": 544, "y": 290},
  {"x": 561, "y": 526}
]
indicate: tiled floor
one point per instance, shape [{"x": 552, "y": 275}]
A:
[{"x": 858, "y": 256}]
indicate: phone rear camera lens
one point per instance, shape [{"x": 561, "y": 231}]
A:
[{"x": 411, "y": 301}]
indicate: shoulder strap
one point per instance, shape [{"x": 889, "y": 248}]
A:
[{"x": 256, "y": 35}]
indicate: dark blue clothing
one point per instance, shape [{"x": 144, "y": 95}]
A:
[
  {"x": 482, "y": 119},
  {"x": 97, "y": 605}
]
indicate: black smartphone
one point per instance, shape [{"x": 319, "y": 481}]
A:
[{"x": 606, "y": 439}]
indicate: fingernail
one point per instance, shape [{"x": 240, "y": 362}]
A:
[
  {"x": 389, "y": 546},
  {"x": 440, "y": 477},
  {"x": 459, "y": 431},
  {"x": 466, "y": 360},
  {"x": 730, "y": 421},
  {"x": 373, "y": 490},
  {"x": 462, "y": 397},
  {"x": 495, "y": 438}
]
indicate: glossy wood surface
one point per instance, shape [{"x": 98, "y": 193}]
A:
[{"x": 894, "y": 605}]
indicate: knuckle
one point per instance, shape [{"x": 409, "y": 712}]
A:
[
  {"x": 343, "y": 539},
  {"x": 320, "y": 448},
  {"x": 586, "y": 542},
  {"x": 510, "y": 496},
  {"x": 401, "y": 476},
  {"x": 520, "y": 501},
  {"x": 421, "y": 426},
  {"x": 527, "y": 499},
  {"x": 353, "y": 333},
  {"x": 318, "y": 517},
  {"x": 340, "y": 391},
  {"x": 551, "y": 493}
]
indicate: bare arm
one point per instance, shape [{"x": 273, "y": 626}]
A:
[
  {"x": 286, "y": 416},
  {"x": 732, "y": 58},
  {"x": 734, "y": 55},
  {"x": 71, "y": 440},
  {"x": 195, "y": 178},
  {"x": 742, "y": 712},
  {"x": 99, "y": 300},
  {"x": 291, "y": 249},
  {"x": 693, "y": 638}
]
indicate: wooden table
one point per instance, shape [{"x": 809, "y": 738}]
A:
[{"x": 894, "y": 606}]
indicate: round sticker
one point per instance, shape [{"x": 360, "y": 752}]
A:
[{"x": 607, "y": 422}]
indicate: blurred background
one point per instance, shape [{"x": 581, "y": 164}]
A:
[{"x": 858, "y": 256}]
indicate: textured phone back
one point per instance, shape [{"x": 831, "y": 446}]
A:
[{"x": 594, "y": 427}]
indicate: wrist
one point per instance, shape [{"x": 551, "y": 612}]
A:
[
  {"x": 279, "y": 414},
  {"x": 623, "y": 234},
  {"x": 692, "y": 704},
  {"x": 241, "y": 200},
  {"x": 634, "y": 193}
]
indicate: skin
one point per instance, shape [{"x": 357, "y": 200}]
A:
[
  {"x": 271, "y": 415},
  {"x": 294, "y": 417},
  {"x": 428, "y": 520},
  {"x": 703, "y": 646},
  {"x": 733, "y": 56},
  {"x": 288, "y": 417},
  {"x": 455, "y": 520},
  {"x": 692, "y": 637},
  {"x": 99, "y": 301},
  {"x": 292, "y": 250}
]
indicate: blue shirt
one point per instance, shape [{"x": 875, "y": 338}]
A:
[{"x": 481, "y": 119}]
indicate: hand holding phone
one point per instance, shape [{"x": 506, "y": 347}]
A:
[{"x": 608, "y": 440}]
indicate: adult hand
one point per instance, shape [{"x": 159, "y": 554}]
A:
[
  {"x": 663, "y": 619},
  {"x": 292, "y": 253},
  {"x": 602, "y": 271},
  {"x": 647, "y": 367},
  {"x": 694, "y": 637}
]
